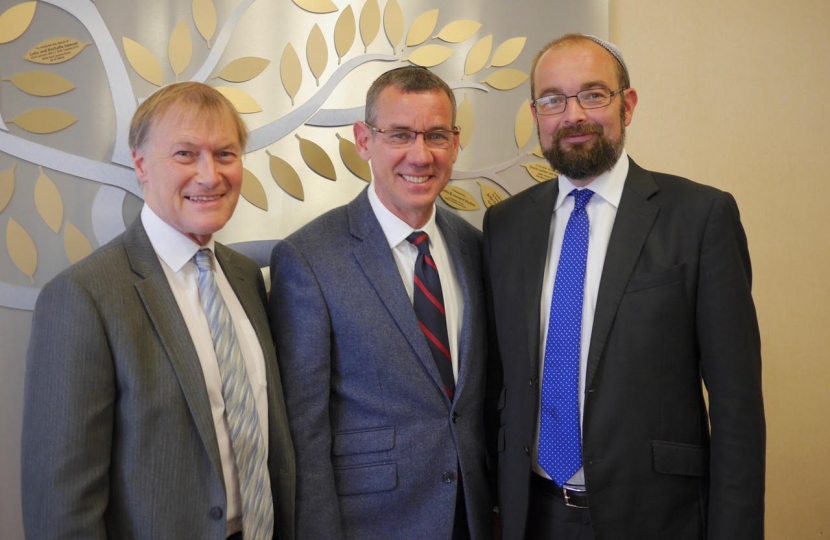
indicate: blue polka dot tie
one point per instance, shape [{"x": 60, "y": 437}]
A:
[{"x": 560, "y": 446}]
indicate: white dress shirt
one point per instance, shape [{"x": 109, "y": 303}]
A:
[
  {"x": 601, "y": 210},
  {"x": 396, "y": 231},
  {"x": 175, "y": 252}
]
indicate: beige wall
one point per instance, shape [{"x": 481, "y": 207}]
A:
[{"x": 736, "y": 94}]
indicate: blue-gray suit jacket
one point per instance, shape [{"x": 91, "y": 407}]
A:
[
  {"x": 118, "y": 435},
  {"x": 380, "y": 448}
]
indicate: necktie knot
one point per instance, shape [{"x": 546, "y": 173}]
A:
[
  {"x": 581, "y": 198},
  {"x": 202, "y": 260},
  {"x": 420, "y": 240}
]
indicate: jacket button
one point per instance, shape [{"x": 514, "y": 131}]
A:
[
  {"x": 448, "y": 477},
  {"x": 530, "y": 382},
  {"x": 216, "y": 513},
  {"x": 527, "y": 450},
  {"x": 455, "y": 418}
]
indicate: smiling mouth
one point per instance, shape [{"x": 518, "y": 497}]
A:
[
  {"x": 415, "y": 179},
  {"x": 203, "y": 198}
]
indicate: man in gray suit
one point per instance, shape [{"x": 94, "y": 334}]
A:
[
  {"x": 134, "y": 424},
  {"x": 385, "y": 407}
]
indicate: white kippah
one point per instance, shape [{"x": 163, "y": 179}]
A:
[{"x": 610, "y": 47}]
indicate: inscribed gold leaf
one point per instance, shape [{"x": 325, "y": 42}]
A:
[
  {"x": 49, "y": 202},
  {"x": 344, "y": 32},
  {"x": 523, "y": 128},
  {"x": 253, "y": 191},
  {"x": 464, "y": 121},
  {"x": 286, "y": 177},
  {"x": 41, "y": 83},
  {"x": 241, "y": 100},
  {"x": 506, "y": 79},
  {"x": 6, "y": 186},
  {"x": 180, "y": 48},
  {"x": 429, "y": 55},
  {"x": 459, "y": 198},
  {"x": 204, "y": 15},
  {"x": 55, "y": 50},
  {"x": 317, "y": 52},
  {"x": 422, "y": 28},
  {"x": 508, "y": 51},
  {"x": 21, "y": 249},
  {"x": 458, "y": 31},
  {"x": 316, "y": 158},
  {"x": 540, "y": 171},
  {"x": 243, "y": 69},
  {"x": 489, "y": 195},
  {"x": 352, "y": 160},
  {"x": 393, "y": 23},
  {"x": 77, "y": 245},
  {"x": 317, "y": 6},
  {"x": 478, "y": 55},
  {"x": 44, "y": 120},
  {"x": 369, "y": 23},
  {"x": 291, "y": 71},
  {"x": 143, "y": 61},
  {"x": 16, "y": 20}
]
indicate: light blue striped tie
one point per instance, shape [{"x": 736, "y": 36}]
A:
[
  {"x": 560, "y": 444},
  {"x": 240, "y": 409}
]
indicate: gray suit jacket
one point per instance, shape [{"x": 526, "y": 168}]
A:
[
  {"x": 380, "y": 448},
  {"x": 118, "y": 437}
]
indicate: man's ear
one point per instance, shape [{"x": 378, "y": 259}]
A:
[
  {"x": 139, "y": 165},
  {"x": 362, "y": 134}
]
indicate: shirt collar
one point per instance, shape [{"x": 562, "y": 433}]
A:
[
  {"x": 171, "y": 246},
  {"x": 609, "y": 185},
  {"x": 394, "y": 228}
]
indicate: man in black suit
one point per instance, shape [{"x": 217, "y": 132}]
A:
[{"x": 653, "y": 273}]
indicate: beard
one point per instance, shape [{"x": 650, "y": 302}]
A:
[{"x": 588, "y": 159}]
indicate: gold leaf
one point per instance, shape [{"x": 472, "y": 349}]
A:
[
  {"x": 508, "y": 51},
  {"x": 243, "y": 69},
  {"x": 180, "y": 48},
  {"x": 48, "y": 201},
  {"x": 393, "y": 23},
  {"x": 291, "y": 71},
  {"x": 242, "y": 101},
  {"x": 464, "y": 121},
  {"x": 369, "y": 23},
  {"x": 143, "y": 61},
  {"x": 44, "y": 120},
  {"x": 16, "y": 20},
  {"x": 458, "y": 31},
  {"x": 459, "y": 198},
  {"x": 316, "y": 158},
  {"x": 6, "y": 186},
  {"x": 506, "y": 79},
  {"x": 55, "y": 50},
  {"x": 316, "y": 6},
  {"x": 286, "y": 177},
  {"x": 41, "y": 83},
  {"x": 537, "y": 152},
  {"x": 541, "y": 171},
  {"x": 352, "y": 160},
  {"x": 21, "y": 248},
  {"x": 204, "y": 15},
  {"x": 478, "y": 55},
  {"x": 344, "y": 32},
  {"x": 316, "y": 52},
  {"x": 523, "y": 128},
  {"x": 429, "y": 55},
  {"x": 422, "y": 28},
  {"x": 489, "y": 195},
  {"x": 77, "y": 245},
  {"x": 253, "y": 191}
]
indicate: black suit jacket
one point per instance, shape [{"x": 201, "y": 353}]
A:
[{"x": 674, "y": 309}]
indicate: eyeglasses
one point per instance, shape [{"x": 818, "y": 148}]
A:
[
  {"x": 439, "y": 139},
  {"x": 588, "y": 99}
]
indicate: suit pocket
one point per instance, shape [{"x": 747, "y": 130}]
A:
[
  {"x": 366, "y": 478},
  {"x": 678, "y": 458},
  {"x": 363, "y": 441},
  {"x": 639, "y": 282}
]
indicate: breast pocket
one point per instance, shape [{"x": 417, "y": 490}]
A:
[{"x": 639, "y": 282}]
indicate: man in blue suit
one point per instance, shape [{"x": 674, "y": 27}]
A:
[{"x": 385, "y": 398}]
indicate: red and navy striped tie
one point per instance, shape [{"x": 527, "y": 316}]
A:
[{"x": 428, "y": 301}]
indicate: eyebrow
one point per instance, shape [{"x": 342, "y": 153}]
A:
[{"x": 584, "y": 86}]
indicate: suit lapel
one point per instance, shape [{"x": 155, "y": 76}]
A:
[
  {"x": 163, "y": 312},
  {"x": 634, "y": 220},
  {"x": 376, "y": 260}
]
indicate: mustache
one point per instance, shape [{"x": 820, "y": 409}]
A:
[{"x": 575, "y": 131}]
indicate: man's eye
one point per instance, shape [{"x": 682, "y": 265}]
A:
[
  {"x": 438, "y": 136},
  {"x": 553, "y": 101},
  {"x": 400, "y": 135}
]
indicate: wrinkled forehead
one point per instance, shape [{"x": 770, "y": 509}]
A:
[
  {"x": 571, "y": 66},
  {"x": 184, "y": 113}
]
